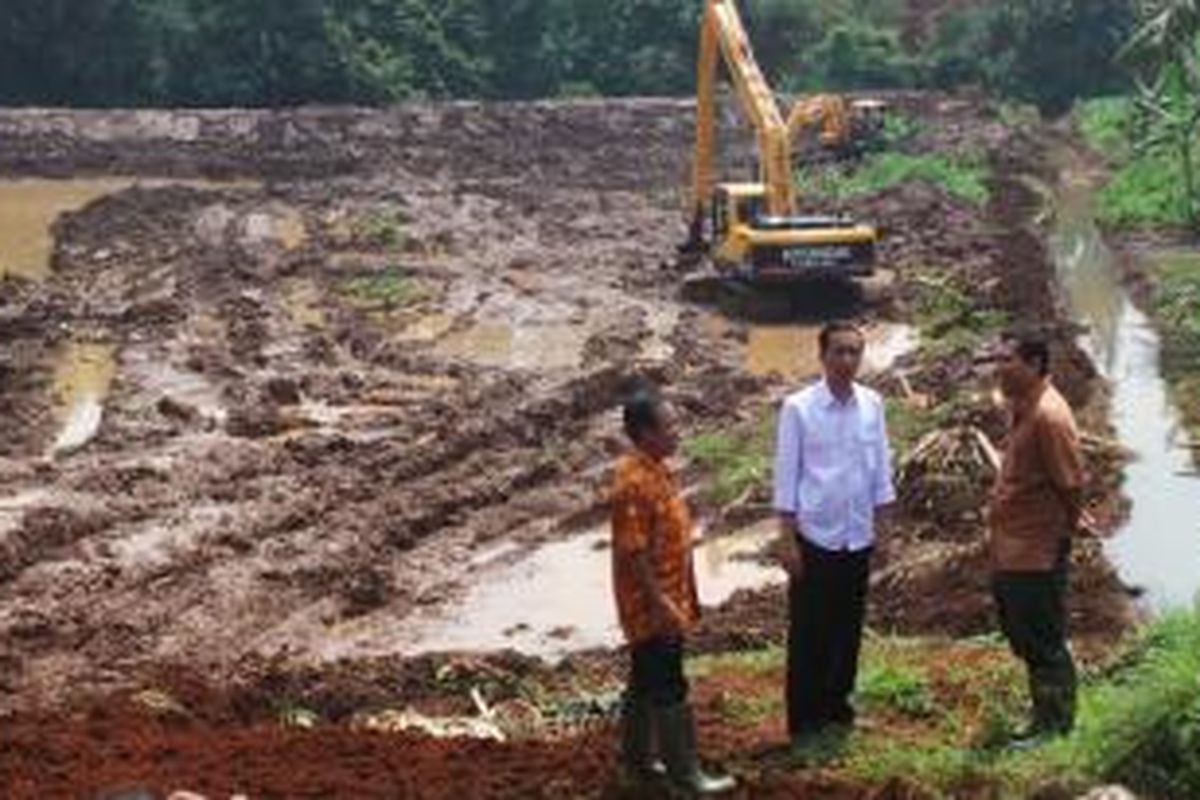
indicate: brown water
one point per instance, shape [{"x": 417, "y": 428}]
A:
[
  {"x": 28, "y": 208},
  {"x": 559, "y": 598},
  {"x": 1158, "y": 549},
  {"x": 83, "y": 373},
  {"x": 792, "y": 350}
]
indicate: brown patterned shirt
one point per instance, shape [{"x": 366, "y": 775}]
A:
[
  {"x": 649, "y": 515},
  {"x": 1028, "y": 516}
]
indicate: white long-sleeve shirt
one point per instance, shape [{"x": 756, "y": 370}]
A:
[{"x": 833, "y": 465}]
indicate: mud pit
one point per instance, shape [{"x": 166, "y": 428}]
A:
[{"x": 329, "y": 397}]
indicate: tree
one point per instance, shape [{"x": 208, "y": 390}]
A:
[{"x": 1166, "y": 59}]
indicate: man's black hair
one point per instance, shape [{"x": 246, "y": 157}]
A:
[
  {"x": 641, "y": 413},
  {"x": 1032, "y": 348},
  {"x": 830, "y": 329}
]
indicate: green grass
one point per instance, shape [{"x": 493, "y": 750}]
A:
[
  {"x": 960, "y": 175},
  {"x": 385, "y": 290},
  {"x": 754, "y": 662},
  {"x": 383, "y": 227},
  {"x": 1105, "y": 123},
  {"x": 738, "y": 460},
  {"x": 1138, "y": 721},
  {"x": 1146, "y": 187},
  {"x": 1147, "y": 190},
  {"x": 902, "y": 688},
  {"x": 952, "y": 321}
]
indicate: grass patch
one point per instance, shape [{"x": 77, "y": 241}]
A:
[
  {"x": 1146, "y": 187},
  {"x": 951, "y": 321},
  {"x": 386, "y": 290},
  {"x": 1145, "y": 191},
  {"x": 752, "y": 662},
  {"x": 936, "y": 711},
  {"x": 383, "y": 227},
  {"x": 960, "y": 175},
  {"x": 738, "y": 460},
  {"x": 904, "y": 689},
  {"x": 1106, "y": 124}
]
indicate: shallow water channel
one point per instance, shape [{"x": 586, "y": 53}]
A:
[{"x": 1158, "y": 548}]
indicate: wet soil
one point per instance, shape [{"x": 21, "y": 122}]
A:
[{"x": 329, "y": 397}]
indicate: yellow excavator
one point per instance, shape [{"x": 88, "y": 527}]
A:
[
  {"x": 753, "y": 230},
  {"x": 825, "y": 126}
]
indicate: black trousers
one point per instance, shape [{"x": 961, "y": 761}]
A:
[
  {"x": 656, "y": 672},
  {"x": 827, "y": 605},
  {"x": 1033, "y": 616}
]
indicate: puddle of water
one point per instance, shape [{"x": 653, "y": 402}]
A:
[
  {"x": 28, "y": 207},
  {"x": 559, "y": 598},
  {"x": 793, "y": 351},
  {"x": 82, "y": 376},
  {"x": 497, "y": 344},
  {"x": 1159, "y": 547}
]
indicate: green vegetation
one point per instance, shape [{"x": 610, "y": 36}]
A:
[
  {"x": 386, "y": 290},
  {"x": 1145, "y": 187},
  {"x": 288, "y": 52},
  {"x": 961, "y": 175},
  {"x": 904, "y": 689},
  {"x": 951, "y": 321},
  {"x": 938, "y": 710},
  {"x": 738, "y": 460},
  {"x": 382, "y": 227}
]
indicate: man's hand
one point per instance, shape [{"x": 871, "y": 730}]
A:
[
  {"x": 666, "y": 618},
  {"x": 790, "y": 556}
]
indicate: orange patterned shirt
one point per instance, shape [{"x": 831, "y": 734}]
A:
[{"x": 649, "y": 515}]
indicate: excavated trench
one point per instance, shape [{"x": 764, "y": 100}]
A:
[{"x": 1155, "y": 550}]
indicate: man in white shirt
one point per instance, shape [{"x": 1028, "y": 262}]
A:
[{"x": 832, "y": 472}]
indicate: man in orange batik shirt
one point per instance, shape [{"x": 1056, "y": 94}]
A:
[{"x": 655, "y": 588}]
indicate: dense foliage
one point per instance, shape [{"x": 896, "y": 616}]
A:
[{"x": 285, "y": 52}]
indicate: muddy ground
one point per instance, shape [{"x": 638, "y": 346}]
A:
[{"x": 396, "y": 342}]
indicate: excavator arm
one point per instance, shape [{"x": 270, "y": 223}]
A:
[{"x": 723, "y": 36}]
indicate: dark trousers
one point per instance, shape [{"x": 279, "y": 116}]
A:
[
  {"x": 1033, "y": 617},
  {"x": 656, "y": 672},
  {"x": 827, "y": 605}
]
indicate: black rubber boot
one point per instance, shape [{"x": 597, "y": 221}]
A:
[
  {"x": 677, "y": 736},
  {"x": 638, "y": 761}
]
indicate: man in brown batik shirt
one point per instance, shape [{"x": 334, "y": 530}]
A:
[{"x": 1036, "y": 507}]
